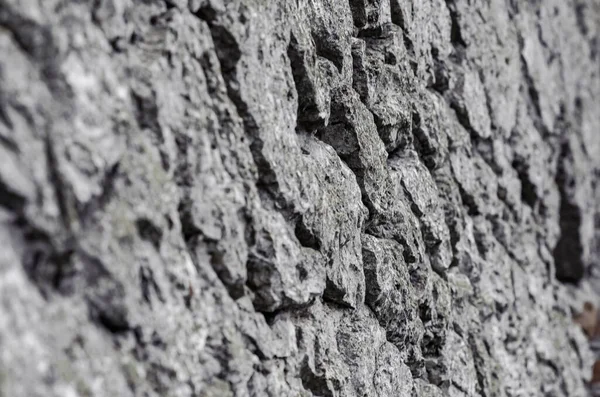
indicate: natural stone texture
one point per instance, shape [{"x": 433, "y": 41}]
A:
[{"x": 297, "y": 198}]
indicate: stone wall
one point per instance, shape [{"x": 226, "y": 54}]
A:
[{"x": 297, "y": 197}]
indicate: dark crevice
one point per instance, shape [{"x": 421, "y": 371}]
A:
[
  {"x": 36, "y": 40},
  {"x": 5, "y": 119},
  {"x": 62, "y": 192},
  {"x": 568, "y": 253},
  {"x": 455, "y": 31},
  {"x": 306, "y": 237},
  {"x": 441, "y": 82},
  {"x": 39, "y": 43},
  {"x": 463, "y": 118},
  {"x": 432, "y": 242},
  {"x": 334, "y": 295},
  {"x": 6, "y": 141},
  {"x": 99, "y": 202},
  {"x": 399, "y": 19},
  {"x": 532, "y": 93},
  {"x": 494, "y": 221},
  {"x": 149, "y": 231},
  {"x": 146, "y": 110},
  {"x": 44, "y": 263},
  {"x": 327, "y": 49},
  {"x": 396, "y": 154},
  {"x": 581, "y": 10},
  {"x": 148, "y": 285},
  {"x": 309, "y": 115},
  {"x": 422, "y": 145},
  {"x": 188, "y": 228},
  {"x": 407, "y": 253},
  {"x": 229, "y": 53},
  {"x": 112, "y": 318},
  {"x": 468, "y": 201},
  {"x": 146, "y": 113},
  {"x": 528, "y": 191},
  {"x": 480, "y": 363},
  {"x": 315, "y": 382},
  {"x": 11, "y": 200},
  {"x": 359, "y": 14}
]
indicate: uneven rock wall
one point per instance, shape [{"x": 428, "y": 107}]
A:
[{"x": 297, "y": 198}]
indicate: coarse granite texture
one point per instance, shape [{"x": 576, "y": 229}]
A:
[{"x": 251, "y": 198}]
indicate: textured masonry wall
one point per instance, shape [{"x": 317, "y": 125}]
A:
[{"x": 297, "y": 198}]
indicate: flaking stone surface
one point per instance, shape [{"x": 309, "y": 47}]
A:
[{"x": 254, "y": 198}]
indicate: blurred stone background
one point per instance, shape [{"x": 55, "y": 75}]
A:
[{"x": 298, "y": 198}]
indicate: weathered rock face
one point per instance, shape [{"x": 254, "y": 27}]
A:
[{"x": 297, "y": 198}]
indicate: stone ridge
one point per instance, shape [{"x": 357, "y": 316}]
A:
[{"x": 325, "y": 198}]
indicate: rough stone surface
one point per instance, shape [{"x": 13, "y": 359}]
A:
[{"x": 224, "y": 198}]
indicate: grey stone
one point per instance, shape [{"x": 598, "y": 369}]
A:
[{"x": 310, "y": 198}]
